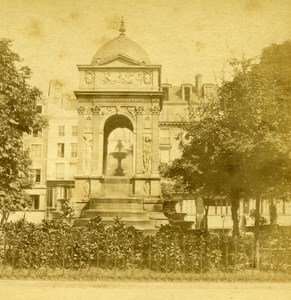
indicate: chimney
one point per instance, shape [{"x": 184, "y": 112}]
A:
[{"x": 198, "y": 84}]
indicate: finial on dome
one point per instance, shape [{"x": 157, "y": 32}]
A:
[{"x": 122, "y": 27}]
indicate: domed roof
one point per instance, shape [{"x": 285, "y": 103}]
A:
[{"x": 121, "y": 45}]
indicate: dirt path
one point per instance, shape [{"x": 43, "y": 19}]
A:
[{"x": 75, "y": 290}]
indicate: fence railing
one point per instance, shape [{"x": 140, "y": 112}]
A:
[{"x": 24, "y": 245}]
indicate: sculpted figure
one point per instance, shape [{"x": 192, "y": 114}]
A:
[
  {"x": 87, "y": 153},
  {"x": 147, "y": 153}
]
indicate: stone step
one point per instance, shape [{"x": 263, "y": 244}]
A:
[
  {"x": 134, "y": 214},
  {"x": 117, "y": 207},
  {"x": 117, "y": 199},
  {"x": 138, "y": 224},
  {"x": 116, "y": 203},
  {"x": 115, "y": 186}
]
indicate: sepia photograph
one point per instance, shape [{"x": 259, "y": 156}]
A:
[{"x": 145, "y": 149}]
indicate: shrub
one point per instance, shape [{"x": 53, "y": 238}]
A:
[{"x": 57, "y": 244}]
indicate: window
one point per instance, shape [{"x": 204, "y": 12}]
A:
[
  {"x": 36, "y": 133},
  {"x": 74, "y": 130},
  {"x": 74, "y": 150},
  {"x": 63, "y": 192},
  {"x": 35, "y": 175},
  {"x": 61, "y": 130},
  {"x": 61, "y": 149},
  {"x": 187, "y": 92},
  {"x": 221, "y": 207},
  {"x": 35, "y": 151},
  {"x": 60, "y": 171},
  {"x": 164, "y": 136},
  {"x": 39, "y": 109},
  {"x": 35, "y": 201},
  {"x": 165, "y": 90}
]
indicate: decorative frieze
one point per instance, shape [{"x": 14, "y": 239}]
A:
[
  {"x": 140, "y": 110},
  {"x": 105, "y": 110},
  {"x": 96, "y": 110},
  {"x": 120, "y": 100},
  {"x": 155, "y": 110},
  {"x": 81, "y": 110},
  {"x": 89, "y": 110},
  {"x": 140, "y": 78}
]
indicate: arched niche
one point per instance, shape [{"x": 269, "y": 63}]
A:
[{"x": 118, "y": 146}]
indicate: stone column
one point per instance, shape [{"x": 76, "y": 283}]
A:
[
  {"x": 81, "y": 124},
  {"x": 95, "y": 153},
  {"x": 139, "y": 141},
  {"x": 155, "y": 140}
]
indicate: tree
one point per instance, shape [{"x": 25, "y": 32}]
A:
[
  {"x": 244, "y": 136},
  {"x": 198, "y": 170},
  {"x": 18, "y": 115},
  {"x": 259, "y": 107}
]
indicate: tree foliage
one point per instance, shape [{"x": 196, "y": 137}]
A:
[
  {"x": 239, "y": 145},
  {"x": 18, "y": 115}
]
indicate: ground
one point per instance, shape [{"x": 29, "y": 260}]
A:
[{"x": 97, "y": 290}]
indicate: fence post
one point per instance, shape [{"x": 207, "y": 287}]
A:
[
  {"x": 29, "y": 259},
  {"x": 150, "y": 252},
  {"x": 13, "y": 256},
  {"x": 63, "y": 257},
  {"x": 132, "y": 255},
  {"x": 235, "y": 251},
  {"x": 193, "y": 255},
  {"x": 175, "y": 252},
  {"x": 226, "y": 254},
  {"x": 115, "y": 255},
  {"x": 253, "y": 254},
  {"x": 97, "y": 254},
  {"x": 106, "y": 253},
  {"x": 158, "y": 255},
  {"x": 4, "y": 254},
  {"x": 38, "y": 249},
  {"x": 184, "y": 254},
  {"x": 167, "y": 252},
  {"x": 201, "y": 254},
  {"x": 218, "y": 251}
]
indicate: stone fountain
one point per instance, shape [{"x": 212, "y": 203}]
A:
[{"x": 119, "y": 155}]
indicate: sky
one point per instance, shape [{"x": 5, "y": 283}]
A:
[{"x": 186, "y": 37}]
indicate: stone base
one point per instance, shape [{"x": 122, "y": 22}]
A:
[
  {"x": 153, "y": 205},
  {"x": 147, "y": 186},
  {"x": 136, "y": 200}
]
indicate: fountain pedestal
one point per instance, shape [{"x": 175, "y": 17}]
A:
[{"x": 119, "y": 155}]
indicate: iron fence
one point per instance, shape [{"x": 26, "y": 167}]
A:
[{"x": 119, "y": 247}]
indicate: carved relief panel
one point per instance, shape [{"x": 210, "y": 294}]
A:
[
  {"x": 89, "y": 77},
  {"x": 119, "y": 79}
]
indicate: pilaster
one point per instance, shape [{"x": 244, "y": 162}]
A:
[
  {"x": 81, "y": 124},
  {"x": 139, "y": 140},
  {"x": 95, "y": 151},
  {"x": 155, "y": 140}
]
